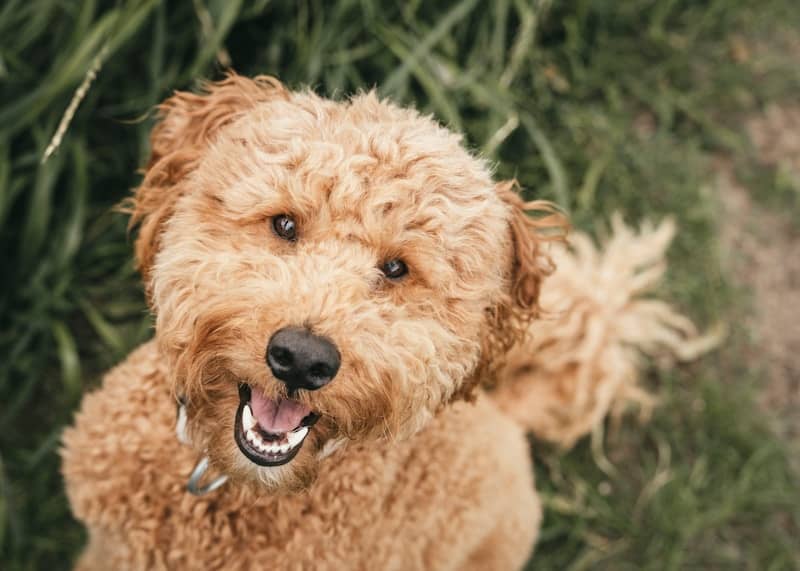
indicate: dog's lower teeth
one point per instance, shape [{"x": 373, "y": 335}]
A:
[
  {"x": 251, "y": 436},
  {"x": 289, "y": 441}
]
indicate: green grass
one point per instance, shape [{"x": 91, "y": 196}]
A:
[{"x": 600, "y": 105}]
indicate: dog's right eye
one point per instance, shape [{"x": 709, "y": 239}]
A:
[
  {"x": 285, "y": 227},
  {"x": 394, "y": 269}
]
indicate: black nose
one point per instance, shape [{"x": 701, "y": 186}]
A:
[{"x": 301, "y": 359}]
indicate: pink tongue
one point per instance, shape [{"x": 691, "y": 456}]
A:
[{"x": 276, "y": 416}]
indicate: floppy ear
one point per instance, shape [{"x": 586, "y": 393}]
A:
[
  {"x": 530, "y": 225},
  {"x": 187, "y": 124},
  {"x": 528, "y": 264}
]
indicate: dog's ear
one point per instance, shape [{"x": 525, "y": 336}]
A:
[
  {"x": 187, "y": 122},
  {"x": 531, "y": 225}
]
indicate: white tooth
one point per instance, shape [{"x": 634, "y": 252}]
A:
[
  {"x": 255, "y": 440},
  {"x": 248, "y": 422},
  {"x": 297, "y": 436}
]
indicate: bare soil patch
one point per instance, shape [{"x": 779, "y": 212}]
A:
[{"x": 761, "y": 248}]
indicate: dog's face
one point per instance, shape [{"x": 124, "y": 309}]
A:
[{"x": 321, "y": 271}]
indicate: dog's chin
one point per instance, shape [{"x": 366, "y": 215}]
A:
[{"x": 296, "y": 476}]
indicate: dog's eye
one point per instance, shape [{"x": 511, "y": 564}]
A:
[
  {"x": 285, "y": 227},
  {"x": 394, "y": 269}
]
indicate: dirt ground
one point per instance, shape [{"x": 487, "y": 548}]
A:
[{"x": 761, "y": 248}]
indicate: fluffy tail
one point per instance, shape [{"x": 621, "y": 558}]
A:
[{"x": 581, "y": 359}]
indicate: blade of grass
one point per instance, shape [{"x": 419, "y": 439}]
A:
[
  {"x": 107, "y": 333},
  {"x": 227, "y": 13},
  {"x": 558, "y": 176},
  {"x": 442, "y": 28},
  {"x": 40, "y": 205},
  {"x": 68, "y": 356},
  {"x": 429, "y": 83}
]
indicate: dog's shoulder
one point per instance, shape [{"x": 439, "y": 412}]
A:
[
  {"x": 477, "y": 438},
  {"x": 122, "y": 444}
]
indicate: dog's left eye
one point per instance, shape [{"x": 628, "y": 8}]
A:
[
  {"x": 285, "y": 227},
  {"x": 394, "y": 269}
]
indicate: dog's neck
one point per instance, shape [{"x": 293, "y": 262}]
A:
[{"x": 194, "y": 485}]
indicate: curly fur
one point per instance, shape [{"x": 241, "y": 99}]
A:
[
  {"x": 436, "y": 501},
  {"x": 410, "y": 466},
  {"x": 366, "y": 181},
  {"x": 580, "y": 362}
]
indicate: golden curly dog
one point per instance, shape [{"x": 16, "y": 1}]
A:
[{"x": 332, "y": 283}]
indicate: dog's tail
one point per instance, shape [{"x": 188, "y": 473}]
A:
[{"x": 582, "y": 357}]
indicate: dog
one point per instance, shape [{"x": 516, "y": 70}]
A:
[{"x": 333, "y": 286}]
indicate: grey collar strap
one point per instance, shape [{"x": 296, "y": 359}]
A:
[{"x": 193, "y": 486}]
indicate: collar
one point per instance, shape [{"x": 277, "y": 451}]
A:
[{"x": 193, "y": 486}]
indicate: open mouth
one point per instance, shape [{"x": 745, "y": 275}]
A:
[{"x": 270, "y": 432}]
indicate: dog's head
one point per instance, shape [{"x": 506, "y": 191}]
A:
[{"x": 323, "y": 271}]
